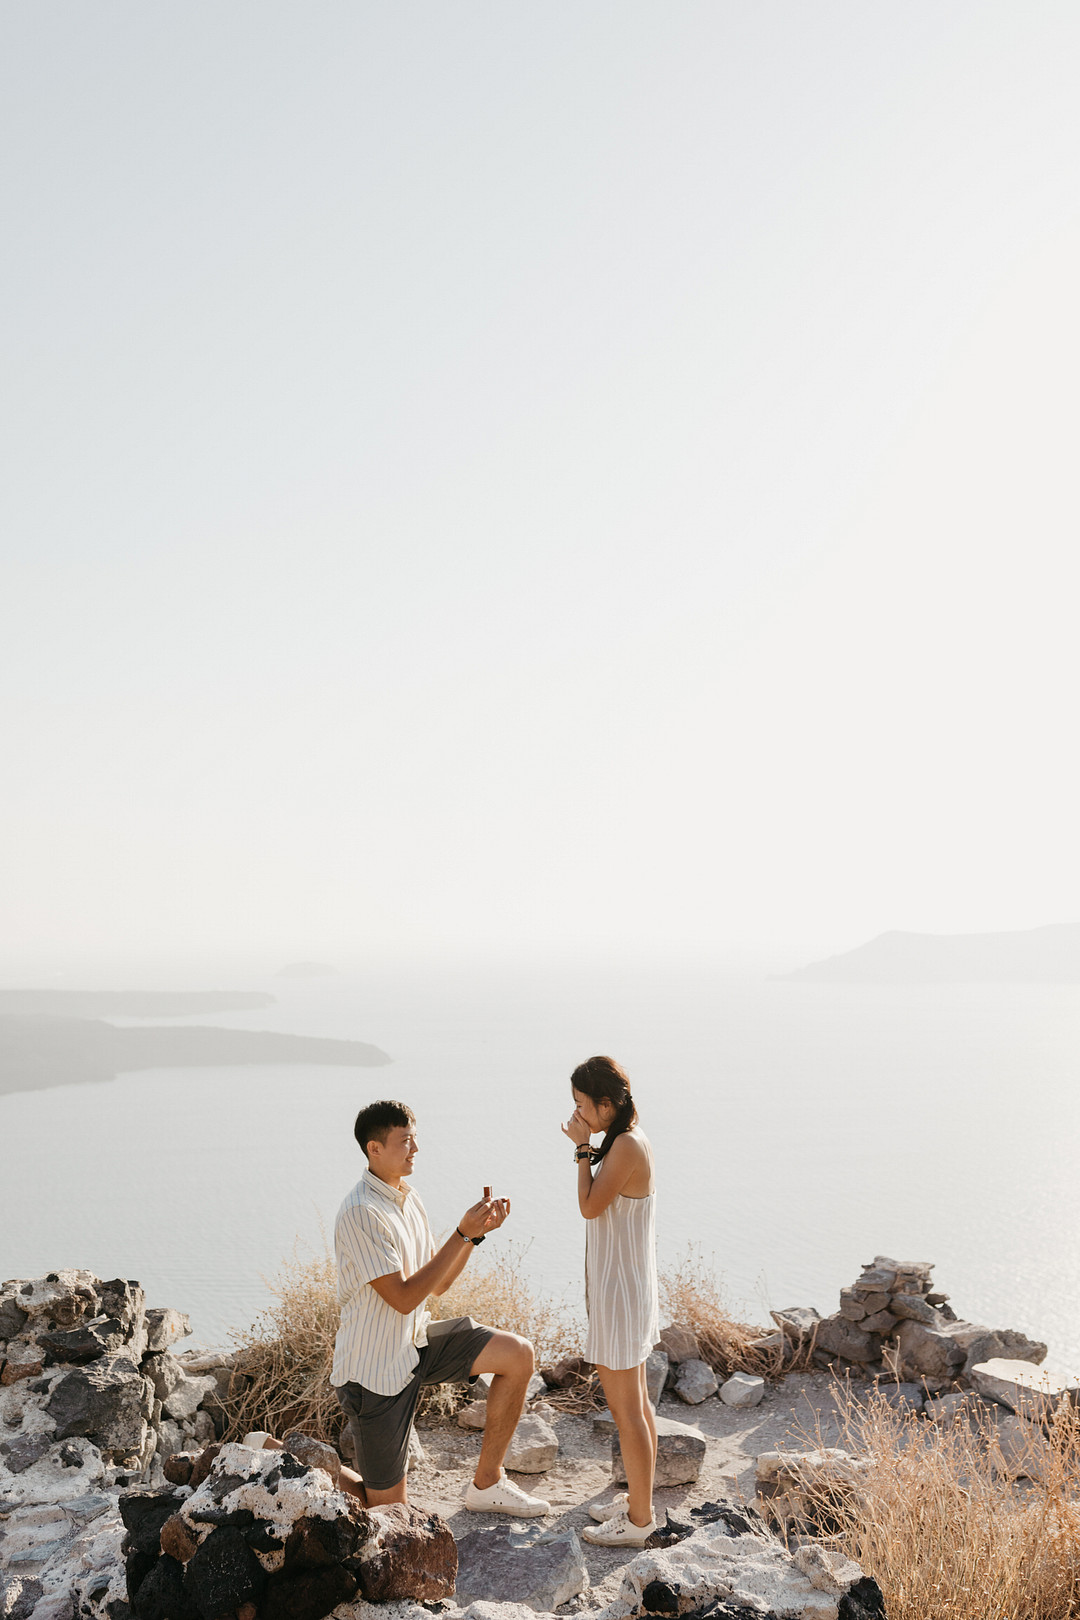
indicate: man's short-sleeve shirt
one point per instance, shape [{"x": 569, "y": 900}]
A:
[{"x": 378, "y": 1230}]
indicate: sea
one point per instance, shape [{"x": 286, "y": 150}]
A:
[{"x": 799, "y": 1130}]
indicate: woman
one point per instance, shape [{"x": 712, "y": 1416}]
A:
[{"x": 616, "y": 1196}]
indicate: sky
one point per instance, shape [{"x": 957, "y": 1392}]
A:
[{"x": 535, "y": 478}]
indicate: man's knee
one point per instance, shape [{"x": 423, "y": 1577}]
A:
[{"x": 507, "y": 1354}]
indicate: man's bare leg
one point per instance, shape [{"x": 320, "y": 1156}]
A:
[
  {"x": 351, "y": 1482},
  {"x": 396, "y": 1493},
  {"x": 510, "y": 1361}
]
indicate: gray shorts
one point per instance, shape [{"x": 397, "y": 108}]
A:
[{"x": 381, "y": 1424}]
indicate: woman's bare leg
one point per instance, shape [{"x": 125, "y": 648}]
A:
[{"x": 628, "y": 1404}]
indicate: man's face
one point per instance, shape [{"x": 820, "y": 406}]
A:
[{"x": 394, "y": 1157}]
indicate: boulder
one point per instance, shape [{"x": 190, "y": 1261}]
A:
[
  {"x": 838, "y": 1337},
  {"x": 734, "y": 1576},
  {"x": 913, "y": 1308},
  {"x": 534, "y": 1446},
  {"x": 409, "y": 1554},
  {"x": 679, "y": 1344},
  {"x": 797, "y": 1322},
  {"x": 63, "y": 1299},
  {"x": 695, "y": 1382},
  {"x": 1017, "y": 1448},
  {"x": 22, "y": 1359},
  {"x": 657, "y": 1367},
  {"x": 316, "y": 1453},
  {"x": 108, "y": 1401},
  {"x": 85, "y": 1343},
  {"x": 164, "y": 1327},
  {"x": 902, "y": 1397},
  {"x": 851, "y": 1306},
  {"x": 880, "y": 1322},
  {"x": 679, "y": 1455},
  {"x": 223, "y": 1574},
  {"x": 800, "y": 1491},
  {"x": 742, "y": 1390},
  {"x": 927, "y": 1353},
  {"x": 12, "y": 1316},
  {"x": 472, "y": 1416},
  {"x": 1033, "y": 1392},
  {"x": 1000, "y": 1344},
  {"x": 528, "y": 1565}
]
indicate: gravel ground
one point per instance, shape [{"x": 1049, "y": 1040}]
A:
[{"x": 793, "y": 1413}]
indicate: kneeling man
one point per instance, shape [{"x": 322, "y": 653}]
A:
[{"x": 388, "y": 1345}]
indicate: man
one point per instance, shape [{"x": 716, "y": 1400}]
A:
[{"x": 388, "y": 1346}]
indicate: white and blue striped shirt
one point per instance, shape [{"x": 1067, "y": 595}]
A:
[{"x": 378, "y": 1230}]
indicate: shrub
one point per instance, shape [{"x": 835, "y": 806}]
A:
[
  {"x": 691, "y": 1295},
  {"x": 947, "y": 1535}
]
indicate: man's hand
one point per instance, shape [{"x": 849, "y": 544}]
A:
[
  {"x": 484, "y": 1217},
  {"x": 576, "y": 1129}
]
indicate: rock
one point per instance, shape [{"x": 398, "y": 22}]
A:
[
  {"x": 906, "y": 1397},
  {"x": 1017, "y": 1448},
  {"x": 164, "y": 1327},
  {"x": 12, "y": 1317},
  {"x": 876, "y": 1279},
  {"x": 742, "y": 1390},
  {"x": 881, "y": 1322},
  {"x": 316, "y": 1453},
  {"x": 162, "y": 1595},
  {"x": 410, "y": 1554},
  {"x": 308, "y": 1594},
  {"x": 126, "y": 1301},
  {"x": 85, "y": 1343},
  {"x": 679, "y": 1455},
  {"x": 603, "y": 1422},
  {"x": 63, "y": 1299},
  {"x": 927, "y": 1353},
  {"x": 838, "y": 1337},
  {"x": 177, "y": 1540},
  {"x": 657, "y": 1367},
  {"x": 570, "y": 1370},
  {"x": 913, "y": 1308},
  {"x": 473, "y": 1416},
  {"x": 169, "y": 1438},
  {"x": 695, "y": 1382},
  {"x": 109, "y": 1402},
  {"x": 417, "y": 1454},
  {"x": 1033, "y": 1392},
  {"x": 797, "y": 1323},
  {"x": 799, "y": 1491},
  {"x": 224, "y": 1573},
  {"x": 738, "y": 1576},
  {"x": 23, "y": 1359},
  {"x": 680, "y": 1344},
  {"x": 534, "y": 1446},
  {"x": 186, "y": 1394},
  {"x": 946, "y": 1408},
  {"x": 851, "y": 1307},
  {"x": 23, "y": 1452},
  {"x": 529, "y": 1565},
  {"x": 1000, "y": 1344}
]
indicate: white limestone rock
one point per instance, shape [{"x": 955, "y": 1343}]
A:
[
  {"x": 742, "y": 1390},
  {"x": 534, "y": 1446},
  {"x": 1033, "y": 1392},
  {"x": 680, "y": 1453}
]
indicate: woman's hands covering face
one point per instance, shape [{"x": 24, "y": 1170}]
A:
[{"x": 576, "y": 1129}]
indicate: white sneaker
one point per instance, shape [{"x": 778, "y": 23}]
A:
[
  {"x": 602, "y": 1511},
  {"x": 505, "y": 1497},
  {"x": 620, "y": 1531}
]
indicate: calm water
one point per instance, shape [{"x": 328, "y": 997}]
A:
[{"x": 799, "y": 1130}]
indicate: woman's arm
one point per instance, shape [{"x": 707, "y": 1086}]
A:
[{"x": 596, "y": 1192}]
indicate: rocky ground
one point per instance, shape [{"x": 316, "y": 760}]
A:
[{"x": 792, "y": 1415}]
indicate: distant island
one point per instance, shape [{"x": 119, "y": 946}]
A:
[
  {"x": 1049, "y": 955},
  {"x": 131, "y": 1003},
  {"x": 38, "y": 1051},
  {"x": 306, "y": 970}
]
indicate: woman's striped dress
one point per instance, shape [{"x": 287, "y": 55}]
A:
[{"x": 620, "y": 1283}]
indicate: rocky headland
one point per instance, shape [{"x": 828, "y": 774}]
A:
[
  {"x": 1049, "y": 955},
  {"x": 124, "y": 1493}
]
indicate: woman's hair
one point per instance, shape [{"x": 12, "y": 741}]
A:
[{"x": 601, "y": 1078}]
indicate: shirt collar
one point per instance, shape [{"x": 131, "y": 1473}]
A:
[{"x": 397, "y": 1195}]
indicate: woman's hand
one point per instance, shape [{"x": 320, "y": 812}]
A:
[{"x": 576, "y": 1129}]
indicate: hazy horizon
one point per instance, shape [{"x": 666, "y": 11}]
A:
[{"x": 583, "y": 479}]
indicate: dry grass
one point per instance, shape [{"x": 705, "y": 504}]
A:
[
  {"x": 691, "y": 1295},
  {"x": 936, "y": 1521},
  {"x": 284, "y": 1358}
]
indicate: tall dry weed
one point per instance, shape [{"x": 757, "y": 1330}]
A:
[
  {"x": 946, "y": 1531},
  {"x": 692, "y": 1296}
]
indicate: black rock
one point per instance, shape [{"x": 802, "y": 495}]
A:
[
  {"x": 674, "y": 1530},
  {"x": 221, "y": 1484},
  {"x": 309, "y": 1595},
  {"x": 239, "y": 1518},
  {"x": 143, "y": 1514},
  {"x": 106, "y": 1401},
  {"x": 660, "y": 1598},
  {"x": 223, "y": 1574},
  {"x": 18, "y": 1597},
  {"x": 737, "y": 1521},
  {"x": 23, "y": 1452},
  {"x": 83, "y": 1344},
  {"x": 262, "y": 1538},
  {"x": 162, "y": 1595},
  {"x": 71, "y": 1457},
  {"x": 723, "y": 1609},
  {"x": 12, "y": 1319},
  {"x": 863, "y": 1601}
]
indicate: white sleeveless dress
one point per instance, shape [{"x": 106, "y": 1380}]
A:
[{"x": 620, "y": 1283}]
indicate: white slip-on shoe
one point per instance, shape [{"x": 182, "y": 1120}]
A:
[
  {"x": 505, "y": 1497},
  {"x": 602, "y": 1511},
  {"x": 621, "y": 1531}
]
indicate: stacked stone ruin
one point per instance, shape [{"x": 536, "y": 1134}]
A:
[{"x": 893, "y": 1324}]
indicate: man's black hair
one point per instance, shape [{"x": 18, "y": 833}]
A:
[{"x": 375, "y": 1122}]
